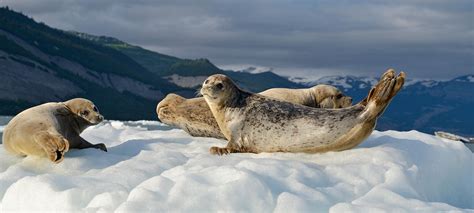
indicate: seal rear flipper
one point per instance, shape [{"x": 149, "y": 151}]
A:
[{"x": 380, "y": 96}]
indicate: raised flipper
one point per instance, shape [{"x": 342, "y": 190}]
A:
[{"x": 380, "y": 96}]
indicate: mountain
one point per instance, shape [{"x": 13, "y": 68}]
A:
[
  {"x": 191, "y": 73},
  {"x": 424, "y": 105},
  {"x": 41, "y": 64}
]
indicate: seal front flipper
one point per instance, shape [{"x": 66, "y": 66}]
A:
[
  {"x": 80, "y": 143},
  {"x": 54, "y": 145},
  {"x": 230, "y": 148},
  {"x": 219, "y": 150},
  {"x": 100, "y": 146}
]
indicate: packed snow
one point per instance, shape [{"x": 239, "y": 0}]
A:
[{"x": 153, "y": 167}]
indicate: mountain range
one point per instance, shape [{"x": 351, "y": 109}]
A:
[{"x": 41, "y": 64}]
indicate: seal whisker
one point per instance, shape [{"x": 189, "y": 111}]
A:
[{"x": 198, "y": 92}]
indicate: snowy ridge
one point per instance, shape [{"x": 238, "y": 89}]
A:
[
  {"x": 360, "y": 82},
  {"x": 255, "y": 70},
  {"x": 152, "y": 167},
  {"x": 345, "y": 82},
  {"x": 186, "y": 81},
  {"x": 467, "y": 78},
  {"x": 247, "y": 68}
]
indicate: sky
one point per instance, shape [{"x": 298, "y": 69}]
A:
[{"x": 429, "y": 39}]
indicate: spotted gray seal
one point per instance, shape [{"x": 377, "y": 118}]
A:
[
  {"x": 51, "y": 129},
  {"x": 195, "y": 117},
  {"x": 255, "y": 123}
]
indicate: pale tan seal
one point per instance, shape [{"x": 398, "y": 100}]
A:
[
  {"x": 319, "y": 96},
  {"x": 191, "y": 115},
  {"x": 255, "y": 123},
  {"x": 51, "y": 129},
  {"x": 195, "y": 117}
]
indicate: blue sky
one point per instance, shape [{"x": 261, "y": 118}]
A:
[{"x": 428, "y": 39}]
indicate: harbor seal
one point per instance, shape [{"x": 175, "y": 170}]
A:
[
  {"x": 191, "y": 115},
  {"x": 51, "y": 129},
  {"x": 194, "y": 116},
  {"x": 254, "y": 123},
  {"x": 319, "y": 96}
]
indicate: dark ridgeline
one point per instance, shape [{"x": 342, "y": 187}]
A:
[{"x": 31, "y": 50}]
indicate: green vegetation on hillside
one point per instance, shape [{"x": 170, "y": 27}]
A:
[
  {"x": 199, "y": 67},
  {"x": 10, "y": 46},
  {"x": 157, "y": 63},
  {"x": 260, "y": 81},
  {"x": 160, "y": 64},
  {"x": 154, "y": 62}
]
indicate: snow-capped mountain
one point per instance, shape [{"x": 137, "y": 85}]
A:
[
  {"x": 344, "y": 82},
  {"x": 360, "y": 82},
  {"x": 255, "y": 69}
]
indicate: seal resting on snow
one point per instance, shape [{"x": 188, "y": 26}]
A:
[
  {"x": 319, "y": 96},
  {"x": 194, "y": 116},
  {"x": 255, "y": 123},
  {"x": 51, "y": 129}
]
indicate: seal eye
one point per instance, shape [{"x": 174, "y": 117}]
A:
[
  {"x": 339, "y": 96},
  {"x": 219, "y": 86},
  {"x": 85, "y": 113},
  {"x": 95, "y": 109},
  {"x": 207, "y": 81}
]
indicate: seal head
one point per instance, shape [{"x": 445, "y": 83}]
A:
[{"x": 85, "y": 109}]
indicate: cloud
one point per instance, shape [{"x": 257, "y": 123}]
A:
[{"x": 426, "y": 38}]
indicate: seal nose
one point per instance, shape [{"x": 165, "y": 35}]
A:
[{"x": 100, "y": 118}]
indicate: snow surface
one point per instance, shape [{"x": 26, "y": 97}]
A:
[
  {"x": 153, "y": 167},
  {"x": 470, "y": 78}
]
